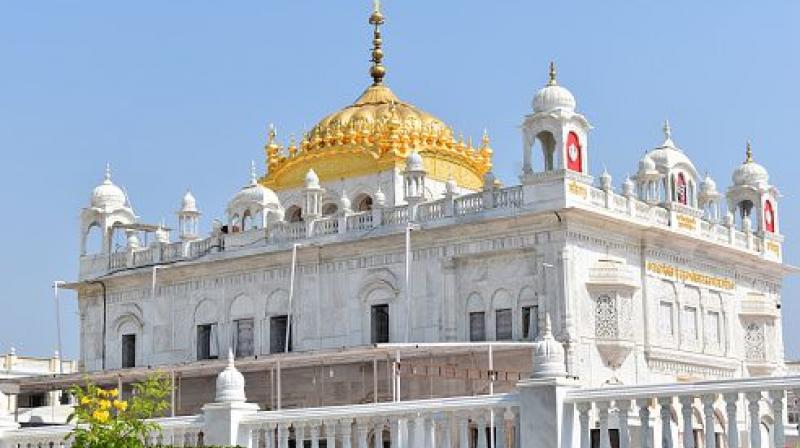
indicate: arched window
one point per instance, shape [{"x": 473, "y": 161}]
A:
[
  {"x": 548, "y": 147},
  {"x": 235, "y": 223},
  {"x": 329, "y": 209},
  {"x": 94, "y": 239},
  {"x": 363, "y": 203},
  {"x": 294, "y": 214},
  {"x": 247, "y": 221},
  {"x": 769, "y": 217},
  {"x": 574, "y": 153}
]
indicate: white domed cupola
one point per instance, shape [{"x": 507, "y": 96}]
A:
[
  {"x": 188, "y": 218},
  {"x": 556, "y": 131},
  {"x": 552, "y": 96},
  {"x": 108, "y": 210},
  {"x": 667, "y": 175},
  {"x": 752, "y": 197},
  {"x": 708, "y": 199},
  {"x": 254, "y": 206}
]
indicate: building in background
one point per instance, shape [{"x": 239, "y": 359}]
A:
[{"x": 40, "y": 406}]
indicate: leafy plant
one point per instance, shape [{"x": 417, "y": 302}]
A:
[{"x": 106, "y": 421}]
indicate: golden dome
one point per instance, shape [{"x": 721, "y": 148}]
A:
[{"x": 374, "y": 134}]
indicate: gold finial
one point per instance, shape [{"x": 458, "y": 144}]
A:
[
  {"x": 552, "y": 81},
  {"x": 377, "y": 71},
  {"x": 748, "y": 153},
  {"x": 485, "y": 138},
  {"x": 272, "y": 133}
]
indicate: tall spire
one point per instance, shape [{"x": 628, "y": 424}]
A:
[
  {"x": 107, "y": 178},
  {"x": 552, "y": 81},
  {"x": 667, "y": 135},
  {"x": 748, "y": 153},
  {"x": 377, "y": 71}
]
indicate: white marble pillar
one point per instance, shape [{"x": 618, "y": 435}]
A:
[{"x": 733, "y": 428}]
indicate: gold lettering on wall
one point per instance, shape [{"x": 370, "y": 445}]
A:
[
  {"x": 689, "y": 276},
  {"x": 577, "y": 189},
  {"x": 774, "y": 248},
  {"x": 687, "y": 222}
]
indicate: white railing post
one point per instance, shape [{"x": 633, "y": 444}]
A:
[
  {"x": 411, "y": 432},
  {"x": 480, "y": 423},
  {"x": 427, "y": 428},
  {"x": 299, "y": 434},
  {"x": 500, "y": 428},
  {"x": 753, "y": 399},
  {"x": 733, "y": 428},
  {"x": 444, "y": 428},
  {"x": 666, "y": 416},
  {"x": 602, "y": 416},
  {"x": 623, "y": 410},
  {"x": 646, "y": 440},
  {"x": 255, "y": 435},
  {"x": 583, "y": 419},
  {"x": 362, "y": 431},
  {"x": 708, "y": 415},
  {"x": 394, "y": 428},
  {"x": 379, "y": 423},
  {"x": 777, "y": 416},
  {"x": 330, "y": 433},
  {"x": 686, "y": 413},
  {"x": 314, "y": 432},
  {"x": 345, "y": 431},
  {"x": 283, "y": 435},
  {"x": 463, "y": 430}
]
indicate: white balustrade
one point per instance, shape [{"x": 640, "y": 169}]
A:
[
  {"x": 468, "y": 204},
  {"x": 428, "y": 423},
  {"x": 326, "y": 226},
  {"x": 360, "y": 221},
  {"x": 395, "y": 215},
  {"x": 748, "y": 404}
]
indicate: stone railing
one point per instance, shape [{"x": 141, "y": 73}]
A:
[
  {"x": 360, "y": 221},
  {"x": 45, "y": 437},
  {"x": 579, "y": 193},
  {"x": 468, "y": 204},
  {"x": 326, "y": 226},
  {"x": 445, "y": 423},
  {"x": 395, "y": 215},
  {"x": 701, "y": 414}
]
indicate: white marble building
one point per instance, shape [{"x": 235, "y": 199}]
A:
[
  {"x": 660, "y": 277},
  {"x": 34, "y": 407}
]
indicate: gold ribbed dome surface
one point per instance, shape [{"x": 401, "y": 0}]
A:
[
  {"x": 379, "y": 104},
  {"x": 375, "y": 134}
]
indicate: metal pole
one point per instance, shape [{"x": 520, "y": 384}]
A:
[
  {"x": 172, "y": 394},
  {"x": 278, "y": 382},
  {"x": 58, "y": 323},
  {"x": 397, "y": 374},
  {"x": 408, "y": 282},
  {"x": 375, "y": 378},
  {"x": 291, "y": 297},
  {"x": 491, "y": 392}
]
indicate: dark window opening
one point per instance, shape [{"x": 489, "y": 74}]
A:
[
  {"x": 380, "y": 324},
  {"x": 207, "y": 342},
  {"x": 477, "y": 326},
  {"x": 613, "y": 436},
  {"x": 244, "y": 346},
  {"x": 128, "y": 351},
  {"x": 32, "y": 400},
  {"x": 277, "y": 334},
  {"x": 503, "y": 326},
  {"x": 530, "y": 322}
]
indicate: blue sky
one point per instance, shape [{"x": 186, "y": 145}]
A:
[{"x": 178, "y": 94}]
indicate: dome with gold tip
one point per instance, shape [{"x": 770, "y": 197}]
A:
[{"x": 375, "y": 134}]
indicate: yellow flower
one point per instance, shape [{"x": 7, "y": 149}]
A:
[
  {"x": 120, "y": 405},
  {"x": 85, "y": 400},
  {"x": 113, "y": 393},
  {"x": 104, "y": 404},
  {"x": 100, "y": 416}
]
